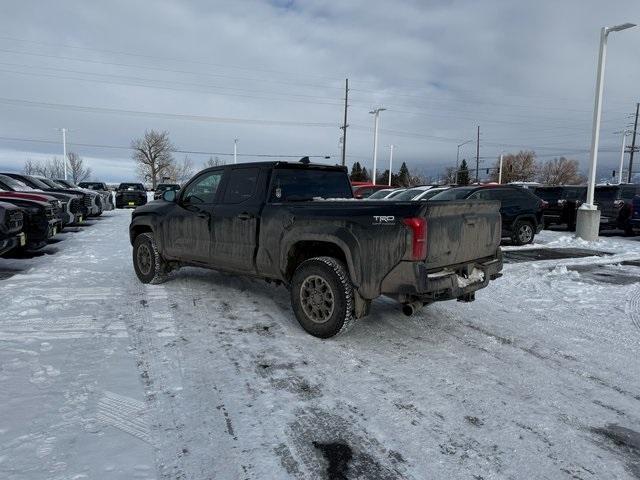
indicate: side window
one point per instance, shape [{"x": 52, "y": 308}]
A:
[
  {"x": 241, "y": 185},
  {"x": 480, "y": 195},
  {"x": 203, "y": 189},
  {"x": 628, "y": 192}
]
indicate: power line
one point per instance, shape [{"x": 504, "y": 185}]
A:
[
  {"x": 168, "y": 116},
  {"x": 192, "y": 152}
]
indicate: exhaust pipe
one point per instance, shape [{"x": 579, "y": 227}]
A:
[{"x": 410, "y": 308}]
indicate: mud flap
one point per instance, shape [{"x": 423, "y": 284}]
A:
[{"x": 361, "y": 306}]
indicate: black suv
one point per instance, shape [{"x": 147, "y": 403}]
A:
[
  {"x": 521, "y": 210},
  {"x": 562, "y": 204},
  {"x": 616, "y": 205}
]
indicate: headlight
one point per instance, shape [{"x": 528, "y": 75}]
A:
[{"x": 59, "y": 204}]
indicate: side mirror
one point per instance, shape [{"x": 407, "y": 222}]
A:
[{"x": 169, "y": 195}]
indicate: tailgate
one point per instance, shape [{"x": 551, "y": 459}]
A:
[{"x": 462, "y": 231}]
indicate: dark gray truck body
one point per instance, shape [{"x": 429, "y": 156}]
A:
[{"x": 267, "y": 238}]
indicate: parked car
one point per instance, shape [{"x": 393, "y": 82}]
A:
[
  {"x": 365, "y": 190},
  {"x": 615, "y": 204},
  {"x": 102, "y": 188},
  {"x": 83, "y": 205},
  {"x": 411, "y": 193},
  {"x": 11, "y": 225},
  {"x": 40, "y": 222},
  {"x": 162, "y": 187},
  {"x": 521, "y": 210},
  {"x": 262, "y": 219},
  {"x": 106, "y": 200},
  {"x": 562, "y": 204},
  {"x": 381, "y": 194},
  {"x": 130, "y": 195},
  {"x": 67, "y": 205}
]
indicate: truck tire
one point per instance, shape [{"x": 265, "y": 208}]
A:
[
  {"x": 523, "y": 232},
  {"x": 147, "y": 262},
  {"x": 322, "y": 297}
]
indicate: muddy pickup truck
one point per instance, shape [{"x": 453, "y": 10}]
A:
[{"x": 298, "y": 224}]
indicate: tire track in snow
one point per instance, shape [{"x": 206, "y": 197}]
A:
[
  {"x": 633, "y": 307},
  {"x": 126, "y": 414}
]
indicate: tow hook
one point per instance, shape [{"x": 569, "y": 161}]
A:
[{"x": 410, "y": 308}]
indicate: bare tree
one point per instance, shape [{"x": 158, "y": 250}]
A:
[
  {"x": 153, "y": 155},
  {"x": 53, "y": 168},
  {"x": 560, "y": 171},
  {"x": 31, "y": 168},
  {"x": 213, "y": 162},
  {"x": 519, "y": 167},
  {"x": 180, "y": 172},
  {"x": 77, "y": 169}
]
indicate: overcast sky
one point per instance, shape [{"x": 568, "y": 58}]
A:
[{"x": 271, "y": 73}]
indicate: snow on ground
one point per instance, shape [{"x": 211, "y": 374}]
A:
[{"x": 209, "y": 375}]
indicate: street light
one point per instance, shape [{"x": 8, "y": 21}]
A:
[
  {"x": 625, "y": 133},
  {"x": 376, "y": 115},
  {"x": 458, "y": 154},
  {"x": 588, "y": 221},
  {"x": 391, "y": 147}
]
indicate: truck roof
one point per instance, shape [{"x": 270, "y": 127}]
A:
[{"x": 284, "y": 164}]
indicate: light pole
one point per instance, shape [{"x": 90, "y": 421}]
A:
[
  {"x": 588, "y": 220},
  {"x": 376, "y": 117},
  {"x": 500, "y": 172},
  {"x": 624, "y": 133},
  {"x": 458, "y": 153},
  {"x": 390, "y": 161},
  {"x": 235, "y": 150}
]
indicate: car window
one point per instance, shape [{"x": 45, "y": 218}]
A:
[
  {"x": 458, "y": 193},
  {"x": 203, "y": 189},
  {"x": 606, "y": 194},
  {"x": 408, "y": 194},
  {"x": 241, "y": 185},
  {"x": 628, "y": 191},
  {"x": 302, "y": 184},
  {"x": 481, "y": 195}
]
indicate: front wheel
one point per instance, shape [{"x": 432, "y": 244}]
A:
[
  {"x": 322, "y": 297},
  {"x": 147, "y": 262},
  {"x": 523, "y": 232}
]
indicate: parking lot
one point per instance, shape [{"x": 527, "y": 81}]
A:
[{"x": 210, "y": 375}]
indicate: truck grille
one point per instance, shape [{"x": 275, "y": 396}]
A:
[
  {"x": 54, "y": 205},
  {"x": 75, "y": 205},
  {"x": 15, "y": 220},
  {"x": 130, "y": 197},
  {"x": 86, "y": 200},
  {"x": 50, "y": 213}
]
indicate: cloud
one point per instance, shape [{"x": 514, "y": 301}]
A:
[{"x": 523, "y": 71}]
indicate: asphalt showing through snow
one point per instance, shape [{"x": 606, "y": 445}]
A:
[{"x": 209, "y": 375}]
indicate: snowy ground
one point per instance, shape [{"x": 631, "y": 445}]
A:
[{"x": 209, "y": 375}]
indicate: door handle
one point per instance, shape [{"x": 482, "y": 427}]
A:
[{"x": 245, "y": 216}]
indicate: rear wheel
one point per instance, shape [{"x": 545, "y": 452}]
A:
[
  {"x": 322, "y": 297},
  {"x": 523, "y": 232},
  {"x": 147, "y": 262}
]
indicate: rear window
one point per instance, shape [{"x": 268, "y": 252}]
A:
[
  {"x": 606, "y": 194},
  {"x": 549, "y": 194},
  {"x": 574, "y": 193},
  {"x": 299, "y": 185},
  {"x": 241, "y": 185},
  {"x": 629, "y": 191},
  {"x": 131, "y": 186},
  {"x": 379, "y": 194},
  {"x": 454, "y": 194}
]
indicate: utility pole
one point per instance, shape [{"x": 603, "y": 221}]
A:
[
  {"x": 235, "y": 150},
  {"x": 633, "y": 144},
  {"x": 390, "y": 161},
  {"x": 624, "y": 133},
  {"x": 344, "y": 125},
  {"x": 376, "y": 118},
  {"x": 64, "y": 151},
  {"x": 478, "y": 156},
  {"x": 500, "y": 172}
]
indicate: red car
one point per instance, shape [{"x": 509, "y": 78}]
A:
[{"x": 364, "y": 190}]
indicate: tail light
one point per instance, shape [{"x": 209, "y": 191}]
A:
[{"x": 418, "y": 227}]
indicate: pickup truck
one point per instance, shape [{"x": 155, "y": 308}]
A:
[
  {"x": 130, "y": 195},
  {"x": 298, "y": 224},
  {"x": 11, "y": 224}
]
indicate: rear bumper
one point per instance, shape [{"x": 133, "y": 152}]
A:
[{"x": 411, "y": 281}]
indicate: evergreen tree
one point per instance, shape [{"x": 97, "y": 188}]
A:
[
  {"x": 365, "y": 175},
  {"x": 404, "y": 177},
  {"x": 356, "y": 172},
  {"x": 463, "y": 173}
]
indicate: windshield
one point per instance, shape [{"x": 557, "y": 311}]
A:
[
  {"x": 37, "y": 183},
  {"x": 92, "y": 186},
  {"x": 65, "y": 183},
  {"x": 431, "y": 193},
  {"x": 454, "y": 193},
  {"x": 606, "y": 194},
  {"x": 14, "y": 184},
  {"x": 130, "y": 186},
  {"x": 380, "y": 194},
  {"x": 167, "y": 186},
  {"x": 549, "y": 194},
  {"x": 50, "y": 183},
  {"x": 408, "y": 194},
  {"x": 395, "y": 193},
  {"x": 296, "y": 185}
]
